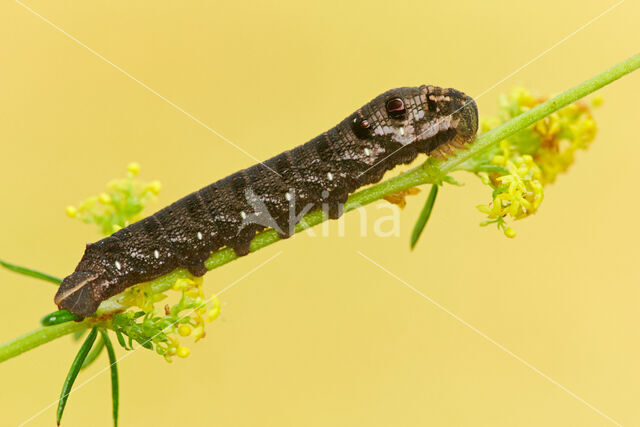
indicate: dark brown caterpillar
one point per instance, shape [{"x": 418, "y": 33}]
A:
[{"x": 390, "y": 130}]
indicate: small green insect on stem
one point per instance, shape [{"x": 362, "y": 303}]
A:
[{"x": 431, "y": 172}]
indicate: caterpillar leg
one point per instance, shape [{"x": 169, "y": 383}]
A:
[
  {"x": 335, "y": 210},
  {"x": 195, "y": 262},
  {"x": 197, "y": 269},
  {"x": 285, "y": 233},
  {"x": 399, "y": 198},
  {"x": 242, "y": 250},
  {"x": 242, "y": 245},
  {"x": 449, "y": 148}
]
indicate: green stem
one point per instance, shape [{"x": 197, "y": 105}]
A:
[
  {"x": 491, "y": 138},
  {"x": 431, "y": 172},
  {"x": 38, "y": 337}
]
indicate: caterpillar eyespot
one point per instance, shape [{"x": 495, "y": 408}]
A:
[
  {"x": 395, "y": 108},
  {"x": 390, "y": 130},
  {"x": 361, "y": 127}
]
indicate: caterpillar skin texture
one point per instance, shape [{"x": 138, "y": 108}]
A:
[{"x": 390, "y": 130}]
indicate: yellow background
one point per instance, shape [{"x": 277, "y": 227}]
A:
[{"x": 321, "y": 336}]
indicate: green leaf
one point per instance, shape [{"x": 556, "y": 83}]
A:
[
  {"x": 73, "y": 372},
  {"x": 451, "y": 180},
  {"x": 94, "y": 354},
  {"x": 57, "y": 317},
  {"x": 113, "y": 363},
  {"x": 424, "y": 216},
  {"x": 30, "y": 272},
  {"x": 121, "y": 340}
]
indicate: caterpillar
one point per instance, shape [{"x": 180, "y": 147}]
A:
[{"x": 390, "y": 130}]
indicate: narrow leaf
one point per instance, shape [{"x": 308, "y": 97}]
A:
[
  {"x": 424, "y": 215},
  {"x": 145, "y": 342},
  {"x": 113, "y": 363},
  {"x": 94, "y": 354},
  {"x": 30, "y": 272},
  {"x": 451, "y": 180},
  {"x": 73, "y": 372},
  {"x": 57, "y": 317},
  {"x": 121, "y": 340}
]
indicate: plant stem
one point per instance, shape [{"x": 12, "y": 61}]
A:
[
  {"x": 431, "y": 172},
  {"x": 491, "y": 138},
  {"x": 38, "y": 337}
]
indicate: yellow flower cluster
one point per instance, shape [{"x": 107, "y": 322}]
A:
[
  {"x": 205, "y": 308},
  {"x": 562, "y": 134},
  {"x": 517, "y": 193},
  {"x": 186, "y": 318},
  {"x": 199, "y": 310},
  {"x": 532, "y": 158},
  {"x": 120, "y": 205}
]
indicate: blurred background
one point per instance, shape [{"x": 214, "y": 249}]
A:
[{"x": 320, "y": 336}]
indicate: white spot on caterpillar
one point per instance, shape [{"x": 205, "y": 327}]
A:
[
  {"x": 243, "y": 215},
  {"x": 401, "y": 131},
  {"x": 439, "y": 98},
  {"x": 118, "y": 266},
  {"x": 330, "y": 176},
  {"x": 199, "y": 235},
  {"x": 367, "y": 152},
  {"x": 156, "y": 254},
  {"x": 287, "y": 196}
]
